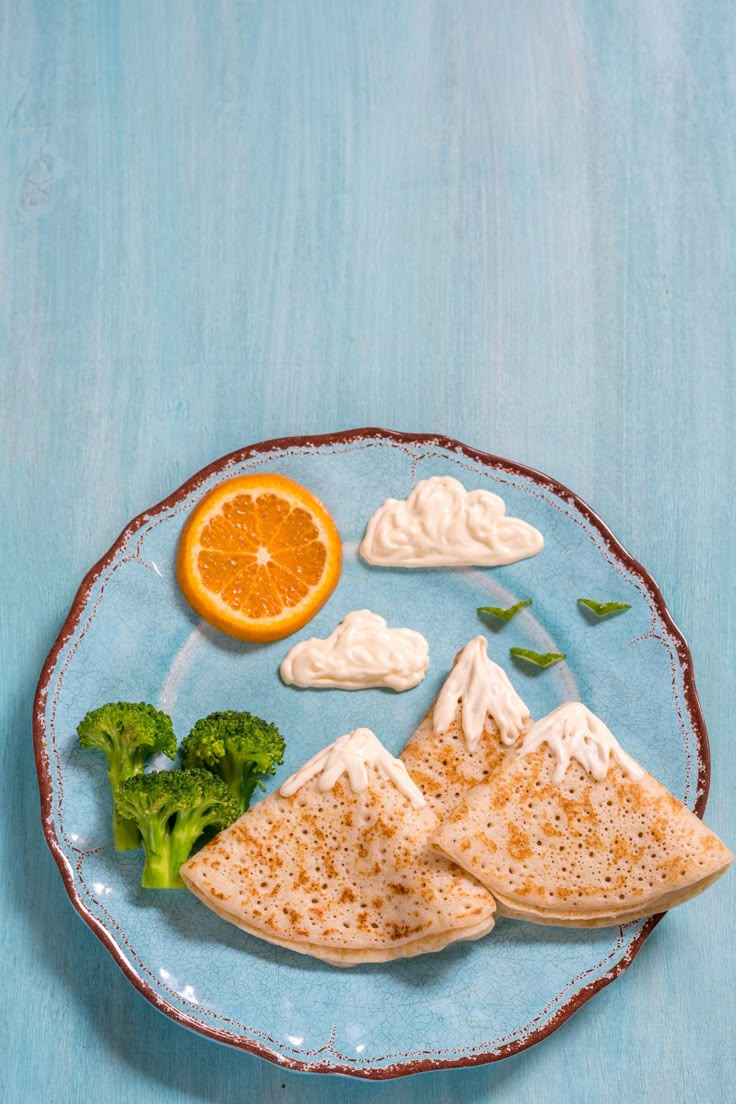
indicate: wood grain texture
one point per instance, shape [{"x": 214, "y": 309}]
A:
[{"x": 219, "y": 222}]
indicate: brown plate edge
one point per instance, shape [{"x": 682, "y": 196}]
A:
[{"x": 421, "y": 440}]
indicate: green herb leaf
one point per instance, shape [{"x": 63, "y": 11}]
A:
[
  {"x": 539, "y": 659},
  {"x": 603, "y": 609},
  {"x": 505, "y": 614}
]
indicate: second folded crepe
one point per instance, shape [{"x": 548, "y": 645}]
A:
[
  {"x": 572, "y": 831},
  {"x": 465, "y": 735}
]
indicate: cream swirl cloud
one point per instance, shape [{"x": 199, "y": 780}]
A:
[
  {"x": 441, "y": 524},
  {"x": 360, "y": 653}
]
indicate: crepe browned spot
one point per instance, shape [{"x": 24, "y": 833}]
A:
[
  {"x": 345, "y": 876},
  {"x": 580, "y": 851},
  {"x": 443, "y": 761}
]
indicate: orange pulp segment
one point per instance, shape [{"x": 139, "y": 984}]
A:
[{"x": 258, "y": 557}]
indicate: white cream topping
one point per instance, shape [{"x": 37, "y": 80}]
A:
[
  {"x": 442, "y": 524},
  {"x": 480, "y": 689},
  {"x": 352, "y": 755},
  {"x": 361, "y": 652},
  {"x": 573, "y": 732}
]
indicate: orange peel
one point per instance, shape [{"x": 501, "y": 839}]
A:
[{"x": 259, "y": 556}]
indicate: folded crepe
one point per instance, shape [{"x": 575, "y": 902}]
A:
[
  {"x": 572, "y": 831},
  {"x": 337, "y": 864},
  {"x": 466, "y": 734}
]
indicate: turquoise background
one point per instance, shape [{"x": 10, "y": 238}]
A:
[{"x": 509, "y": 222}]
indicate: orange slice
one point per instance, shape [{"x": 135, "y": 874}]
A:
[{"x": 258, "y": 557}]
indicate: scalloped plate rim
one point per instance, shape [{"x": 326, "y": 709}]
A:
[{"x": 318, "y": 441}]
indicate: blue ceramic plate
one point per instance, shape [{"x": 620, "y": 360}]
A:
[{"x": 130, "y": 635}]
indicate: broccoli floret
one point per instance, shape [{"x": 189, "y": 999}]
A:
[
  {"x": 236, "y": 746},
  {"x": 129, "y": 733},
  {"x": 171, "y": 810}
]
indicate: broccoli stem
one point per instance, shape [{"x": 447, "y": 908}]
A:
[
  {"x": 240, "y": 776},
  {"x": 248, "y": 785},
  {"x": 167, "y": 848},
  {"x": 161, "y": 872},
  {"x": 161, "y": 868},
  {"x": 125, "y": 834}
]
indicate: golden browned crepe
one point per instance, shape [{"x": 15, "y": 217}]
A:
[
  {"x": 443, "y": 767},
  {"x": 346, "y": 876},
  {"x": 578, "y": 850},
  {"x": 444, "y": 762}
]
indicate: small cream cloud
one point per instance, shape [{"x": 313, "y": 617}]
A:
[
  {"x": 360, "y": 653},
  {"x": 441, "y": 524}
]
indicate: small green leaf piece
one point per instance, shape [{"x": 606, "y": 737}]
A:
[
  {"x": 505, "y": 614},
  {"x": 603, "y": 609},
  {"x": 539, "y": 659}
]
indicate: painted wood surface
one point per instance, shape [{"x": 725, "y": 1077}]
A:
[{"x": 511, "y": 222}]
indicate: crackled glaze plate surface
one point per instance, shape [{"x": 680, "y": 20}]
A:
[{"x": 130, "y": 635}]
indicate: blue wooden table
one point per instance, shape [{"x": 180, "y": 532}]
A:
[{"x": 511, "y": 222}]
